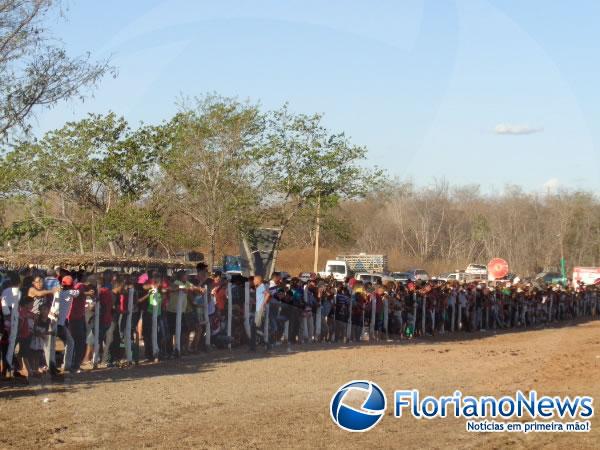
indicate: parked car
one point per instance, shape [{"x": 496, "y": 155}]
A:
[
  {"x": 549, "y": 277},
  {"x": 454, "y": 276},
  {"x": 418, "y": 275},
  {"x": 443, "y": 276},
  {"x": 400, "y": 277},
  {"x": 373, "y": 278}
]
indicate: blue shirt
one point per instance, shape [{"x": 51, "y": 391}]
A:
[{"x": 261, "y": 290}]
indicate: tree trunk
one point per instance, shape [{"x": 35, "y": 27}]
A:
[
  {"x": 212, "y": 251},
  {"x": 251, "y": 266},
  {"x": 80, "y": 239},
  {"x": 113, "y": 250}
]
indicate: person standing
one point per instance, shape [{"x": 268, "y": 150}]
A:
[
  {"x": 77, "y": 325},
  {"x": 40, "y": 295},
  {"x": 295, "y": 311},
  {"x": 58, "y": 313},
  {"x": 202, "y": 284},
  {"x": 263, "y": 297},
  {"x": 219, "y": 292},
  {"x": 10, "y": 315}
]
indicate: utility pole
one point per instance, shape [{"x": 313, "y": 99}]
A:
[
  {"x": 563, "y": 264},
  {"x": 317, "y": 230}
]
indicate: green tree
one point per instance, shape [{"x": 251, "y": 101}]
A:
[
  {"x": 83, "y": 171},
  {"x": 210, "y": 164},
  {"x": 307, "y": 166}
]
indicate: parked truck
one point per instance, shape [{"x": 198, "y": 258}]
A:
[
  {"x": 363, "y": 262},
  {"x": 586, "y": 275},
  {"x": 344, "y": 266},
  {"x": 336, "y": 269}
]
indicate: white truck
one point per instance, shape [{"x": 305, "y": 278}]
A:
[
  {"x": 344, "y": 266},
  {"x": 586, "y": 275},
  {"x": 337, "y": 269},
  {"x": 363, "y": 262}
]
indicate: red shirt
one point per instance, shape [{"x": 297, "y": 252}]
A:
[
  {"x": 123, "y": 303},
  {"x": 77, "y": 311},
  {"x": 221, "y": 297},
  {"x": 106, "y": 306}
]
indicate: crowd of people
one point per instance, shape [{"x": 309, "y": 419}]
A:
[{"x": 114, "y": 319}]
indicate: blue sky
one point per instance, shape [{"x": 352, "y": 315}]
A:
[{"x": 488, "y": 92}]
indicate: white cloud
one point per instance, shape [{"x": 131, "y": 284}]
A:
[
  {"x": 551, "y": 185},
  {"x": 505, "y": 128}
]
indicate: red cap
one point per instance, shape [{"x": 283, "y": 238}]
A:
[{"x": 67, "y": 280}]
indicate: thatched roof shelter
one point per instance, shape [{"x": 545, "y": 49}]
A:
[{"x": 89, "y": 261}]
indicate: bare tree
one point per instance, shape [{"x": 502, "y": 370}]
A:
[{"x": 35, "y": 70}]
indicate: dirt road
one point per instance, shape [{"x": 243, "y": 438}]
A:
[{"x": 281, "y": 401}]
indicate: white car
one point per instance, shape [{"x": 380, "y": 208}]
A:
[
  {"x": 418, "y": 275},
  {"x": 443, "y": 277},
  {"x": 451, "y": 276},
  {"x": 401, "y": 277},
  {"x": 373, "y": 278}
]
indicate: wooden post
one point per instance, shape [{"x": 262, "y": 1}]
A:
[
  {"x": 247, "y": 309},
  {"x": 96, "y": 355},
  {"x": 318, "y": 322},
  {"x": 155, "y": 349},
  {"x": 128, "y": 352},
  {"x": 206, "y": 318},
  {"x": 386, "y": 316},
  {"x": 332, "y": 336},
  {"x": 14, "y": 327},
  {"x": 373, "y": 316},
  {"x": 423, "y": 315},
  {"x": 229, "y": 312},
  {"x": 51, "y": 348},
  {"x": 304, "y": 318},
  {"x": 349, "y": 324},
  {"x": 181, "y": 296},
  {"x": 266, "y": 324},
  {"x": 414, "y": 325}
]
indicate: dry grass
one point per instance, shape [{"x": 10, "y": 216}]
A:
[{"x": 243, "y": 400}]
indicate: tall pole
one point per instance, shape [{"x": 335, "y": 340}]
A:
[
  {"x": 563, "y": 266},
  {"x": 563, "y": 269},
  {"x": 317, "y": 230}
]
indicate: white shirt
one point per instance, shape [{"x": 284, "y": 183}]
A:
[{"x": 10, "y": 299}]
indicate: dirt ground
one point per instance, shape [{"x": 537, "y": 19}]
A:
[{"x": 248, "y": 400}]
